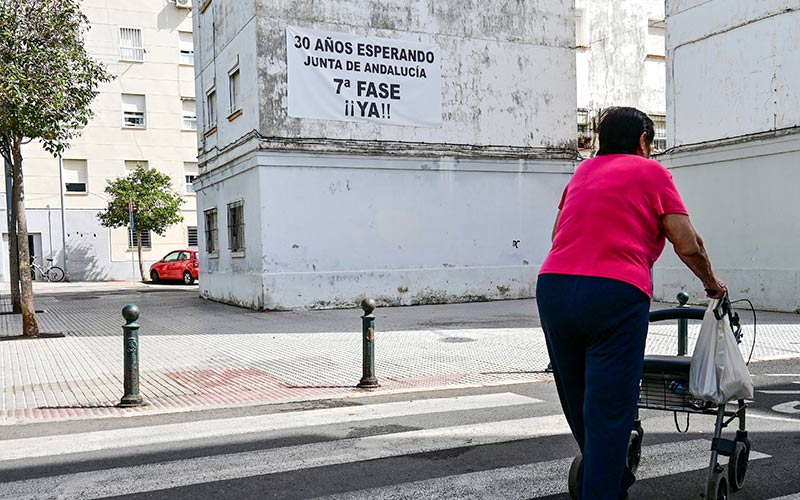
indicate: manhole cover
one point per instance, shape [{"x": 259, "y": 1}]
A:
[{"x": 457, "y": 340}]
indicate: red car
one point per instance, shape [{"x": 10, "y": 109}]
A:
[{"x": 178, "y": 265}]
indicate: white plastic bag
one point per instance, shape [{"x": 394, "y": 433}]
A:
[{"x": 718, "y": 372}]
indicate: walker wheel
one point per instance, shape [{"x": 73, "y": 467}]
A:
[
  {"x": 634, "y": 452},
  {"x": 574, "y": 477},
  {"x": 737, "y": 465},
  {"x": 717, "y": 487}
]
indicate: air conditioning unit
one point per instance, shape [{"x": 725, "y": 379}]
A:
[{"x": 183, "y": 4}]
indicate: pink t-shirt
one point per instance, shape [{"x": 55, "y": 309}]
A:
[{"x": 610, "y": 222}]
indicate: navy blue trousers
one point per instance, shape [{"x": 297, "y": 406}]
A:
[{"x": 595, "y": 330}]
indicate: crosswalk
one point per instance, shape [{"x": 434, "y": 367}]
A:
[{"x": 346, "y": 440}]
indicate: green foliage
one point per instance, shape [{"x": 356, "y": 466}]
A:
[
  {"x": 155, "y": 205},
  {"x": 47, "y": 80}
]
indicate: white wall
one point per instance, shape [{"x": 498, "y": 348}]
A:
[
  {"x": 734, "y": 117},
  {"x": 504, "y": 65},
  {"x": 733, "y": 68},
  {"x": 401, "y": 230},
  {"x": 743, "y": 200}
]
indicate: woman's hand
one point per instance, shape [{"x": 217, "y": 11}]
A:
[{"x": 716, "y": 289}]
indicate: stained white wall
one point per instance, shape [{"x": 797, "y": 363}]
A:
[
  {"x": 734, "y": 117},
  {"x": 334, "y": 229},
  {"x": 733, "y": 68},
  {"x": 504, "y": 65},
  {"x": 336, "y": 210}
]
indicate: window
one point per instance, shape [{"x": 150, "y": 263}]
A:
[
  {"x": 186, "y": 47},
  {"x": 146, "y": 242},
  {"x": 654, "y": 45},
  {"x": 236, "y": 226},
  {"x": 131, "y": 47},
  {"x": 132, "y": 165},
  {"x": 580, "y": 29},
  {"x": 133, "y": 111},
  {"x": 233, "y": 86},
  {"x": 189, "y": 114},
  {"x": 660, "y": 126},
  {"x": 211, "y": 230},
  {"x": 75, "y": 176},
  {"x": 584, "y": 129},
  {"x": 191, "y": 236},
  {"x": 189, "y": 174},
  {"x": 211, "y": 109}
]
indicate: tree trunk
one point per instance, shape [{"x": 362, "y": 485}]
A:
[
  {"x": 139, "y": 250},
  {"x": 30, "y": 327},
  {"x": 13, "y": 251}
]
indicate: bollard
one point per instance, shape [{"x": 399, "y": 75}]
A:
[
  {"x": 368, "y": 380},
  {"x": 131, "y": 347},
  {"x": 683, "y": 326}
]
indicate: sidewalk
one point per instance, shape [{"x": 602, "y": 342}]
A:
[{"x": 200, "y": 354}]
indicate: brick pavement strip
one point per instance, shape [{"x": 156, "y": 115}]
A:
[{"x": 198, "y": 354}]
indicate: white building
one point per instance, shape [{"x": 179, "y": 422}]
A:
[
  {"x": 145, "y": 116},
  {"x": 446, "y": 191},
  {"x": 620, "y": 61},
  {"x": 733, "y": 102}
]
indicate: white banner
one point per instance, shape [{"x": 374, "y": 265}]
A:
[{"x": 340, "y": 76}]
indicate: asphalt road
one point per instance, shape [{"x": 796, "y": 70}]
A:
[{"x": 503, "y": 442}]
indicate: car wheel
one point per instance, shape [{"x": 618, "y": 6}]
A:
[
  {"x": 154, "y": 276},
  {"x": 188, "y": 279}
]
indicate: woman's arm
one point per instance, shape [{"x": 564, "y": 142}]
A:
[{"x": 689, "y": 247}]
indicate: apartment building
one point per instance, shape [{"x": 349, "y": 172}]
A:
[{"x": 145, "y": 116}]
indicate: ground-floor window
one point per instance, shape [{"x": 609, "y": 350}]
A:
[
  {"x": 191, "y": 236},
  {"x": 236, "y": 226},
  {"x": 211, "y": 230},
  {"x": 146, "y": 240}
]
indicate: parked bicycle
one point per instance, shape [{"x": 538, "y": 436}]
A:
[{"x": 49, "y": 272}]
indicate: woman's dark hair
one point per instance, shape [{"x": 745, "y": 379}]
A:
[{"x": 620, "y": 129}]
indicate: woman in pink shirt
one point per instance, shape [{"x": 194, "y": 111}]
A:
[{"x": 594, "y": 290}]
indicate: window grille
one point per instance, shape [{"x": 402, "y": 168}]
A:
[
  {"x": 131, "y": 47},
  {"x": 236, "y": 226},
  {"x": 191, "y": 236},
  {"x": 584, "y": 129},
  {"x": 146, "y": 240},
  {"x": 660, "y": 127},
  {"x": 211, "y": 230}
]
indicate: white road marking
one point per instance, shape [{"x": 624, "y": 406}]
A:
[
  {"x": 790, "y": 407},
  {"x": 48, "y": 446},
  {"x": 157, "y": 476},
  {"x": 540, "y": 479},
  {"x": 788, "y": 393},
  {"x": 784, "y": 375}
]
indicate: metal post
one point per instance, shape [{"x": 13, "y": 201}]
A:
[
  {"x": 63, "y": 217},
  {"x": 683, "y": 326},
  {"x": 368, "y": 380},
  {"x": 131, "y": 346}
]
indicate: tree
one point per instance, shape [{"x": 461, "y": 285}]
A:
[
  {"x": 47, "y": 83},
  {"x": 155, "y": 205}
]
